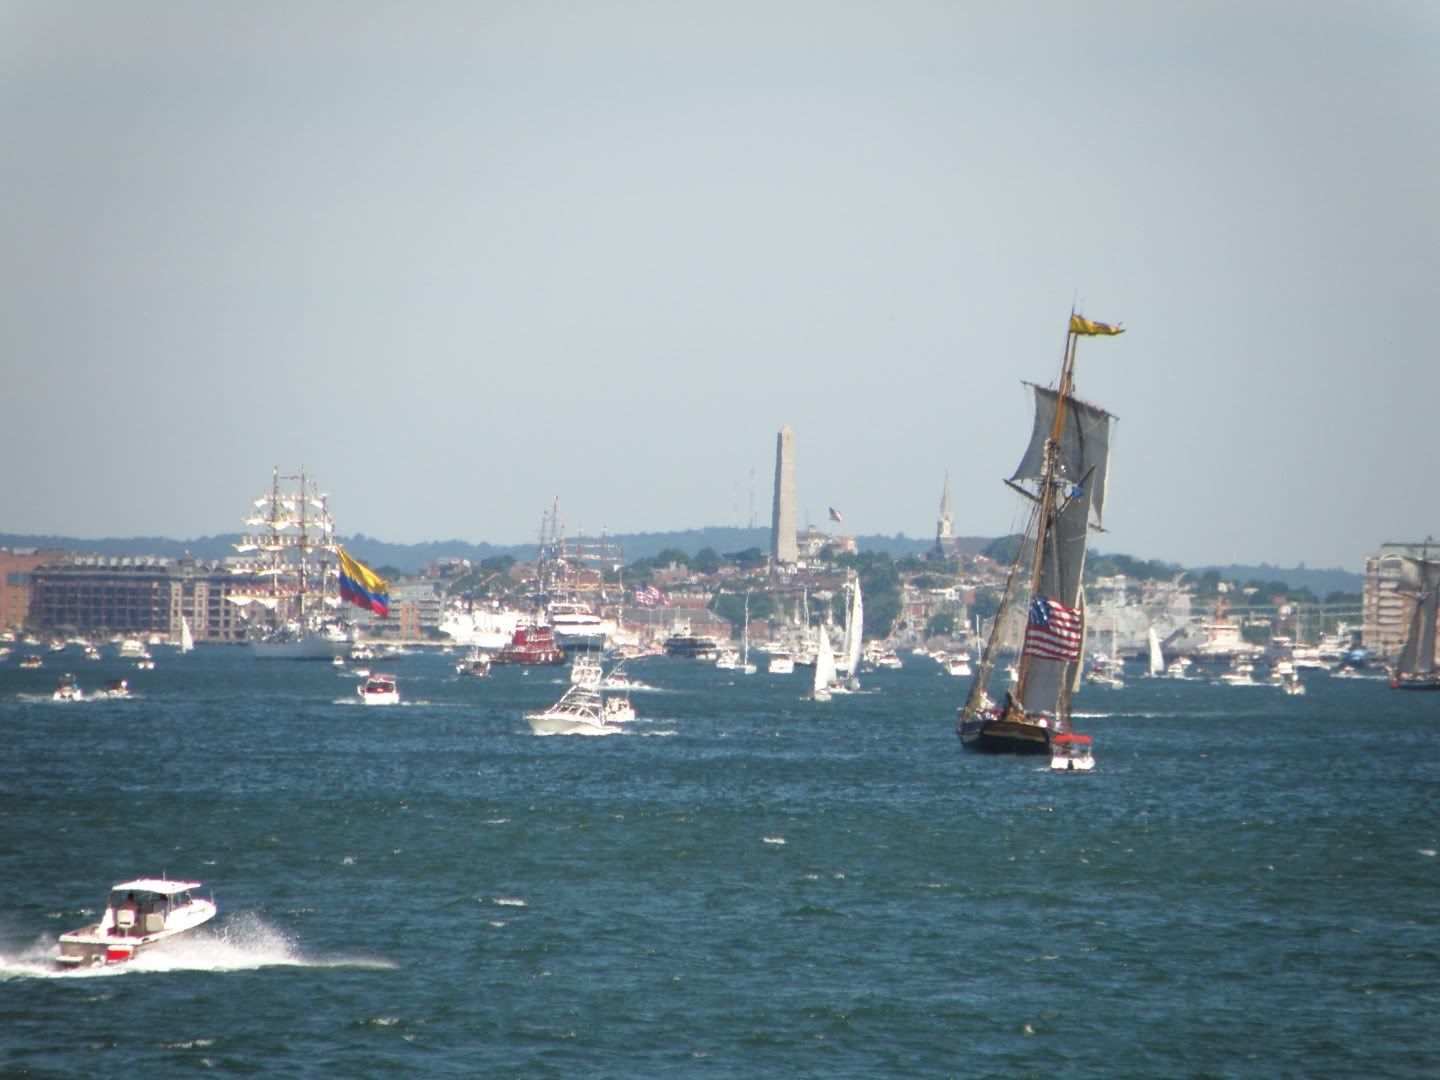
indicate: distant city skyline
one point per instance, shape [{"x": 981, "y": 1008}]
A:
[{"x": 459, "y": 261}]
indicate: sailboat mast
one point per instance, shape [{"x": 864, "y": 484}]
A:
[{"x": 1047, "y": 502}]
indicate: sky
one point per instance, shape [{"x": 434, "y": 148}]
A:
[{"x": 460, "y": 260}]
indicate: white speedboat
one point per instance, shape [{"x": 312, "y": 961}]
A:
[
  {"x": 139, "y": 914},
  {"x": 67, "y": 689},
  {"x": 959, "y": 665},
  {"x": 580, "y": 711},
  {"x": 379, "y": 690},
  {"x": 1070, "y": 752},
  {"x": 114, "y": 690}
]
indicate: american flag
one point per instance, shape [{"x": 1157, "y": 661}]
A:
[
  {"x": 649, "y": 596},
  {"x": 1054, "y": 631}
]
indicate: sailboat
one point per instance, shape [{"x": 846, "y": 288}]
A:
[
  {"x": 187, "y": 639},
  {"x": 1415, "y": 667},
  {"x": 854, "y": 638},
  {"x": 1065, "y": 466},
  {"x": 745, "y": 667},
  {"x": 825, "y": 676},
  {"x": 1157, "y": 656}
]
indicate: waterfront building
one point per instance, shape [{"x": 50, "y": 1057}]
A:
[
  {"x": 783, "y": 550},
  {"x": 16, "y": 566},
  {"x": 138, "y": 595},
  {"x": 1386, "y": 609}
]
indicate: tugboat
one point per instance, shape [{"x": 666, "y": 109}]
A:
[
  {"x": 1065, "y": 465},
  {"x": 531, "y": 646}
]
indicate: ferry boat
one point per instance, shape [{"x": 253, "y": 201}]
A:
[
  {"x": 690, "y": 646},
  {"x": 379, "y": 690},
  {"x": 531, "y": 646},
  {"x": 139, "y": 915}
]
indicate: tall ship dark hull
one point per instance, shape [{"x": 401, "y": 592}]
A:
[
  {"x": 1402, "y": 683},
  {"x": 997, "y": 735}
]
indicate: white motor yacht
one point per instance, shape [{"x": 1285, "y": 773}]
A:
[
  {"x": 139, "y": 914},
  {"x": 581, "y": 711},
  {"x": 379, "y": 690},
  {"x": 781, "y": 662},
  {"x": 115, "y": 690}
]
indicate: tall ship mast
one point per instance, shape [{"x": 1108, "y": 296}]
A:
[
  {"x": 1063, "y": 475},
  {"x": 1415, "y": 666},
  {"x": 291, "y": 611}
]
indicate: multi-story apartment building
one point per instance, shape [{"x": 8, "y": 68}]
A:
[
  {"x": 136, "y": 595},
  {"x": 15, "y": 568},
  {"x": 1387, "y": 610}
]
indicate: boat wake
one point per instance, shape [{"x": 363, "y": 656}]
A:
[{"x": 245, "y": 943}]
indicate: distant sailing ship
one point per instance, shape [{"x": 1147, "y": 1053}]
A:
[
  {"x": 1066, "y": 464},
  {"x": 1415, "y": 667},
  {"x": 305, "y": 575}
]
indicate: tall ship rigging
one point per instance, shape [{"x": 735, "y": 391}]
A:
[
  {"x": 1063, "y": 475},
  {"x": 1415, "y": 666},
  {"x": 292, "y": 610}
]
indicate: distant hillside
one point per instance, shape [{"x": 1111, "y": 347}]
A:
[
  {"x": 1320, "y": 582},
  {"x": 408, "y": 558}
]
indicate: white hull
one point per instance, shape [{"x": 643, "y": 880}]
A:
[
  {"x": 548, "y": 724},
  {"x": 308, "y": 647},
  {"x": 103, "y": 943}
]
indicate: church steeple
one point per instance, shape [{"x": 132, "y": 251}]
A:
[{"x": 945, "y": 526}]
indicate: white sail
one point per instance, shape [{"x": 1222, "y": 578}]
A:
[
  {"x": 1157, "y": 658},
  {"x": 187, "y": 640},
  {"x": 824, "y": 666},
  {"x": 855, "y": 630}
]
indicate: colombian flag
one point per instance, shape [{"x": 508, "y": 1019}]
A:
[
  {"x": 362, "y": 586},
  {"x": 1081, "y": 325}
]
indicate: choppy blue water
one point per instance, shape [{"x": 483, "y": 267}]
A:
[{"x": 748, "y": 884}]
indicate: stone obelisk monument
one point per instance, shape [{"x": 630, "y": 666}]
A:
[{"x": 782, "y": 522}]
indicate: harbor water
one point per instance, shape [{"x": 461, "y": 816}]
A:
[{"x": 745, "y": 883}]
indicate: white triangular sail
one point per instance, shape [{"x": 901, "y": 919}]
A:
[
  {"x": 824, "y": 665},
  {"x": 1157, "y": 657},
  {"x": 855, "y": 631},
  {"x": 187, "y": 640}
]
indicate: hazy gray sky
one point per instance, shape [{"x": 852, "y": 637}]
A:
[{"x": 459, "y": 259}]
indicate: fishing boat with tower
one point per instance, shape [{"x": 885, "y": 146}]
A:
[{"x": 1063, "y": 476}]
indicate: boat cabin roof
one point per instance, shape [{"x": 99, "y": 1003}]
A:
[
  {"x": 155, "y": 885},
  {"x": 1072, "y": 738}
]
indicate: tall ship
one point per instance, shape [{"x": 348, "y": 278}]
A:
[
  {"x": 1063, "y": 475},
  {"x": 293, "y": 609},
  {"x": 1415, "y": 666}
]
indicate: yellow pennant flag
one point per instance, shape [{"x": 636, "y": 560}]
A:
[{"x": 1081, "y": 325}]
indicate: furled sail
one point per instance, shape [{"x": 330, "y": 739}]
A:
[{"x": 1084, "y": 445}]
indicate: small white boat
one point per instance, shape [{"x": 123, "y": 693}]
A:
[
  {"x": 959, "y": 665},
  {"x": 1070, "y": 752},
  {"x": 139, "y": 914},
  {"x": 474, "y": 663},
  {"x": 581, "y": 710},
  {"x": 114, "y": 690},
  {"x": 338, "y": 661},
  {"x": 145, "y": 663},
  {"x": 31, "y": 661},
  {"x": 379, "y": 690},
  {"x": 1241, "y": 673},
  {"x": 67, "y": 689},
  {"x": 781, "y": 662}
]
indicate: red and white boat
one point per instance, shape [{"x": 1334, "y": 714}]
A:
[
  {"x": 379, "y": 690},
  {"x": 139, "y": 915},
  {"x": 531, "y": 646}
]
